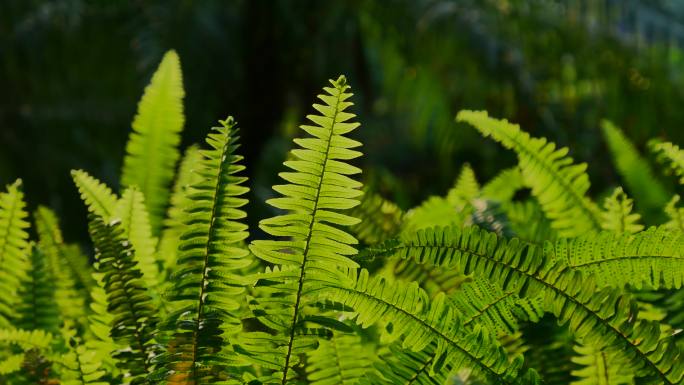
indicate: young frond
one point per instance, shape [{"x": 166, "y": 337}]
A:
[
  {"x": 558, "y": 184},
  {"x": 151, "y": 152},
  {"x": 99, "y": 198},
  {"x": 670, "y": 155},
  {"x": 134, "y": 316},
  {"x": 421, "y": 321},
  {"x": 653, "y": 257},
  {"x": 650, "y": 194},
  {"x": 617, "y": 214},
  {"x": 319, "y": 190},
  {"x": 13, "y": 248},
  {"x": 603, "y": 317},
  {"x": 206, "y": 290}
]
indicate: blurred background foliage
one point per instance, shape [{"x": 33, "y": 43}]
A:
[{"x": 71, "y": 72}]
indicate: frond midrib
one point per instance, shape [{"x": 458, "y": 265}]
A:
[
  {"x": 490, "y": 305},
  {"x": 624, "y": 258},
  {"x": 610, "y": 327},
  {"x": 309, "y": 234}
]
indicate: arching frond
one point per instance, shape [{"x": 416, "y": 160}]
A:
[
  {"x": 642, "y": 184},
  {"x": 670, "y": 155},
  {"x": 206, "y": 289},
  {"x": 37, "y": 309},
  {"x": 13, "y": 248},
  {"x": 603, "y": 318},
  {"x": 654, "y": 257},
  {"x": 151, "y": 152},
  {"x": 340, "y": 360},
  {"x": 99, "y": 198},
  {"x": 380, "y": 219},
  {"x": 134, "y": 317},
  {"x": 617, "y": 215},
  {"x": 421, "y": 322},
  {"x": 131, "y": 210},
  {"x": 319, "y": 190},
  {"x": 558, "y": 184}
]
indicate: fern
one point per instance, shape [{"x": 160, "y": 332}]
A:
[
  {"x": 599, "y": 368},
  {"x": 671, "y": 155},
  {"x": 37, "y": 309},
  {"x": 340, "y": 360},
  {"x": 617, "y": 215},
  {"x": 13, "y": 248},
  {"x": 151, "y": 152},
  {"x": 558, "y": 184},
  {"x": 380, "y": 219},
  {"x": 99, "y": 198},
  {"x": 206, "y": 290},
  {"x": 634, "y": 170},
  {"x": 504, "y": 185},
  {"x": 319, "y": 188},
  {"x": 134, "y": 318},
  {"x": 81, "y": 366},
  {"x": 604, "y": 318},
  {"x": 676, "y": 214}
]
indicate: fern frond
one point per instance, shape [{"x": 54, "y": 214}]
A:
[
  {"x": 504, "y": 185},
  {"x": 653, "y": 257},
  {"x": 11, "y": 364},
  {"x": 435, "y": 211},
  {"x": 173, "y": 223},
  {"x": 99, "y": 198},
  {"x": 421, "y": 321},
  {"x": 380, "y": 219},
  {"x": 13, "y": 248},
  {"x": 675, "y": 213},
  {"x": 465, "y": 189},
  {"x": 558, "y": 184},
  {"x": 650, "y": 194},
  {"x": 134, "y": 316},
  {"x": 206, "y": 292},
  {"x": 100, "y": 322},
  {"x": 599, "y": 368},
  {"x": 600, "y": 317},
  {"x": 152, "y": 149},
  {"x": 318, "y": 189},
  {"x": 617, "y": 214},
  {"x": 38, "y": 309},
  {"x": 671, "y": 155},
  {"x": 340, "y": 360},
  {"x": 527, "y": 222},
  {"x": 131, "y": 210},
  {"x": 81, "y": 366},
  {"x": 67, "y": 266},
  {"x": 400, "y": 366},
  {"x": 26, "y": 339}
]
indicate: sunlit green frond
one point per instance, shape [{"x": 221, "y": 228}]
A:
[
  {"x": 319, "y": 189},
  {"x": 642, "y": 184},
  {"x": 654, "y": 257},
  {"x": 173, "y": 223},
  {"x": 152, "y": 149},
  {"x": 504, "y": 185},
  {"x": 599, "y": 368},
  {"x": 68, "y": 267},
  {"x": 380, "y": 219},
  {"x": 526, "y": 221},
  {"x": 401, "y": 366},
  {"x": 603, "y": 318},
  {"x": 99, "y": 325},
  {"x": 675, "y": 213},
  {"x": 433, "y": 280},
  {"x": 13, "y": 248},
  {"x": 480, "y": 302},
  {"x": 99, "y": 198},
  {"x": 81, "y": 366},
  {"x": 134, "y": 316},
  {"x": 671, "y": 155},
  {"x": 341, "y": 360},
  {"x": 37, "y": 309},
  {"x": 131, "y": 210},
  {"x": 465, "y": 189},
  {"x": 558, "y": 184},
  {"x": 421, "y": 321},
  {"x": 206, "y": 288},
  {"x": 11, "y": 364},
  {"x": 617, "y": 214},
  {"x": 26, "y": 339},
  {"x": 435, "y": 211}
]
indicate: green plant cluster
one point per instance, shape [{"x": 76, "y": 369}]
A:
[{"x": 476, "y": 286}]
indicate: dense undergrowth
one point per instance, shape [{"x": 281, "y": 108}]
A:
[{"x": 524, "y": 279}]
